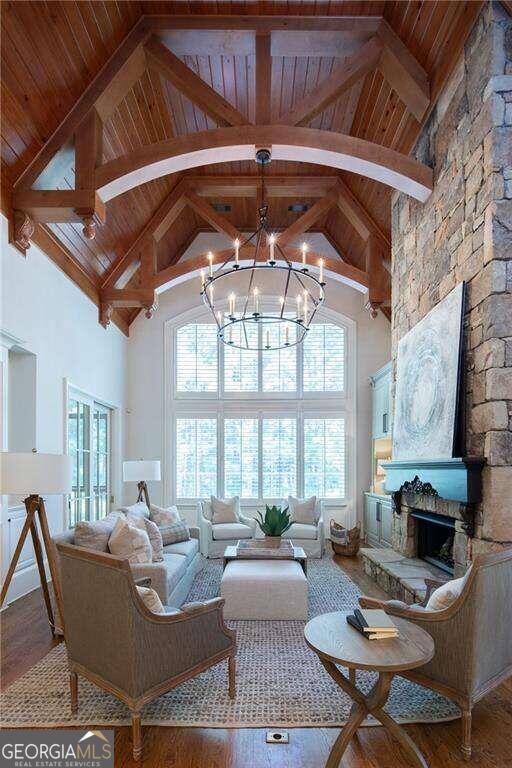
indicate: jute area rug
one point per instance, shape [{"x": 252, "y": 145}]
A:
[{"x": 280, "y": 682}]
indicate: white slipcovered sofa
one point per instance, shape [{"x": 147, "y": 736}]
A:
[{"x": 215, "y": 538}]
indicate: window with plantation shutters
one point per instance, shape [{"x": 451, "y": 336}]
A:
[
  {"x": 196, "y": 358},
  {"x": 324, "y": 458},
  {"x": 324, "y": 358},
  {"x": 259, "y": 424}
]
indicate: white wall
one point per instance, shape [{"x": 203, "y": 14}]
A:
[
  {"x": 145, "y": 381},
  {"x": 58, "y": 324}
]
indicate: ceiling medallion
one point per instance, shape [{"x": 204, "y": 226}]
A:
[{"x": 269, "y": 303}]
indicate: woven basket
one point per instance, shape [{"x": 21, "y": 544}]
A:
[{"x": 345, "y": 542}]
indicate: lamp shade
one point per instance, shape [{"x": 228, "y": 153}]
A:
[
  {"x": 31, "y": 473},
  {"x": 135, "y": 471}
]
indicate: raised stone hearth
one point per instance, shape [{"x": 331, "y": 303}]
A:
[{"x": 403, "y": 578}]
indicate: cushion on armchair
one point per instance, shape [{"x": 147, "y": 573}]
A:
[
  {"x": 225, "y": 510},
  {"x": 228, "y": 531},
  {"x": 303, "y": 510},
  {"x": 301, "y": 531},
  {"x": 150, "y": 599},
  {"x": 445, "y": 595}
]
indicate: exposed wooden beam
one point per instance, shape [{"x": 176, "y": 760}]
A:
[
  {"x": 275, "y": 186},
  {"x": 85, "y": 103},
  {"x": 210, "y": 215},
  {"x": 453, "y": 44},
  {"x": 288, "y": 143},
  {"x": 341, "y": 80},
  {"x": 128, "y": 297},
  {"x": 191, "y": 85},
  {"x": 305, "y": 22},
  {"x": 56, "y": 205},
  {"x": 88, "y": 156},
  {"x": 123, "y": 81},
  {"x": 359, "y": 217},
  {"x": 379, "y": 279},
  {"x": 306, "y": 221},
  {"x": 192, "y": 266},
  {"x": 403, "y": 72},
  {"x": 263, "y": 78},
  {"x": 155, "y": 229}
]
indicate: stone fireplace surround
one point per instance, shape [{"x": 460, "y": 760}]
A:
[{"x": 398, "y": 570}]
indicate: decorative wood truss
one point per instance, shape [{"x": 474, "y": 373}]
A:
[{"x": 133, "y": 280}]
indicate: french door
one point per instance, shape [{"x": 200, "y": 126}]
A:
[{"x": 89, "y": 445}]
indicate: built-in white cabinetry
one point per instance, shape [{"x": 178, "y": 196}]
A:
[{"x": 378, "y": 521}]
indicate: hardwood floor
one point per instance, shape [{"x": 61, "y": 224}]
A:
[{"x": 25, "y": 638}]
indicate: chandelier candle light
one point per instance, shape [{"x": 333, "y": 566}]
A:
[{"x": 283, "y": 316}]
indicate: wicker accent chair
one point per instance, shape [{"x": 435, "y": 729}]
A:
[
  {"x": 115, "y": 642},
  {"x": 473, "y": 636}
]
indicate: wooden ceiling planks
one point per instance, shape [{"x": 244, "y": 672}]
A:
[{"x": 52, "y": 50}]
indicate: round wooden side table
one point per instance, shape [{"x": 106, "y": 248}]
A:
[{"x": 337, "y": 643}]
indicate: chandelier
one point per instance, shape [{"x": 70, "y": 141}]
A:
[{"x": 268, "y": 304}]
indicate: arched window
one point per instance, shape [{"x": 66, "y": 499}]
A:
[{"x": 260, "y": 425}]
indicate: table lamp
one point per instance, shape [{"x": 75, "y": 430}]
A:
[
  {"x": 33, "y": 474},
  {"x": 140, "y": 472}
]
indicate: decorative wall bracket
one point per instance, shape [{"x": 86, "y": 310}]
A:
[
  {"x": 106, "y": 311},
  {"x": 21, "y": 231}
]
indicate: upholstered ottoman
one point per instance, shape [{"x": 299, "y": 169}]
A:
[{"x": 264, "y": 589}]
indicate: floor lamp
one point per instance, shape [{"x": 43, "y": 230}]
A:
[
  {"x": 32, "y": 474},
  {"x": 140, "y": 472}
]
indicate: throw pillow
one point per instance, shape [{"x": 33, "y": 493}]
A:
[
  {"x": 174, "y": 532},
  {"x": 126, "y": 540},
  {"x": 303, "y": 510},
  {"x": 95, "y": 535},
  {"x": 150, "y": 599},
  {"x": 164, "y": 516},
  {"x": 225, "y": 510},
  {"x": 445, "y": 595},
  {"x": 154, "y": 534},
  {"x": 140, "y": 509}
]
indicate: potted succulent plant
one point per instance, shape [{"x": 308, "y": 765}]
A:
[{"x": 274, "y": 524}]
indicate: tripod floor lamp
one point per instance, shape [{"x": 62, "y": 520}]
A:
[
  {"x": 141, "y": 472},
  {"x": 33, "y": 474}
]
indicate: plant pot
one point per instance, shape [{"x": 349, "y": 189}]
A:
[{"x": 273, "y": 541}]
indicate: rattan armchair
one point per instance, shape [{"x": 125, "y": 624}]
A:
[
  {"x": 473, "y": 636},
  {"x": 115, "y": 642}
]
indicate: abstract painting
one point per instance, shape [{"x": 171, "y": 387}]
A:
[{"x": 428, "y": 381}]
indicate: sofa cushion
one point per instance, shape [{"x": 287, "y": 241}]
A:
[
  {"x": 127, "y": 540},
  {"x": 164, "y": 515},
  {"x": 95, "y": 534},
  {"x": 225, "y": 510},
  {"x": 150, "y": 599},
  {"x": 140, "y": 509},
  {"x": 176, "y": 567},
  {"x": 188, "y": 549},
  {"x": 153, "y": 532},
  {"x": 301, "y": 531},
  {"x": 174, "y": 532},
  {"x": 227, "y": 531},
  {"x": 303, "y": 510}
]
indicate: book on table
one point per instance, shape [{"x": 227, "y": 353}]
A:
[{"x": 372, "y": 627}]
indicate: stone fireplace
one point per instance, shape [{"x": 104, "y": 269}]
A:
[{"x": 424, "y": 527}]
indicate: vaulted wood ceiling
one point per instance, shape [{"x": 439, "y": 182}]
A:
[{"x": 51, "y": 52}]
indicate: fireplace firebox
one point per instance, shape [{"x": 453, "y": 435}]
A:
[{"x": 435, "y": 536}]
